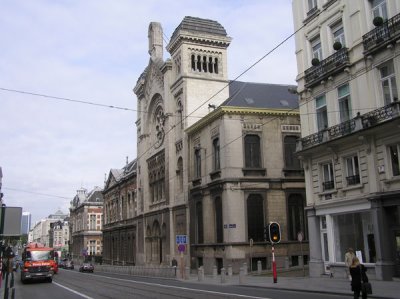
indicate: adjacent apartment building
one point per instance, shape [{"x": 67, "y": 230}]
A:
[
  {"x": 86, "y": 213},
  {"x": 348, "y": 72},
  {"x": 215, "y": 161},
  {"x": 120, "y": 216}
]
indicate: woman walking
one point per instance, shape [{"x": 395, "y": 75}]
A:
[{"x": 358, "y": 276}]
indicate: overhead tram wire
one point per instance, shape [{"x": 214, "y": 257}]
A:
[
  {"x": 66, "y": 99},
  {"x": 36, "y": 193}
]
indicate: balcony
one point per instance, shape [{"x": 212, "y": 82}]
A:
[
  {"x": 327, "y": 67},
  {"x": 353, "y": 180},
  {"x": 360, "y": 122},
  {"x": 328, "y": 185},
  {"x": 382, "y": 36}
]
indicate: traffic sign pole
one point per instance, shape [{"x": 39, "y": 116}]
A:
[{"x": 275, "y": 275}]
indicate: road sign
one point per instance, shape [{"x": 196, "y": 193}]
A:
[
  {"x": 300, "y": 236},
  {"x": 181, "y": 247},
  {"x": 181, "y": 239}
]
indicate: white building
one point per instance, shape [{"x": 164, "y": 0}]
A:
[
  {"x": 40, "y": 231},
  {"x": 348, "y": 73}
]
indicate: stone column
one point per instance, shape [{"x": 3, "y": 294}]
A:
[
  {"x": 316, "y": 264},
  {"x": 384, "y": 265}
]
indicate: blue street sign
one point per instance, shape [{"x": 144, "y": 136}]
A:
[{"x": 181, "y": 239}]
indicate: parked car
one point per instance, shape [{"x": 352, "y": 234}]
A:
[
  {"x": 61, "y": 264},
  {"x": 69, "y": 265},
  {"x": 86, "y": 267}
]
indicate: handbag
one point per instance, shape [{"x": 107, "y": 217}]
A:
[{"x": 366, "y": 287}]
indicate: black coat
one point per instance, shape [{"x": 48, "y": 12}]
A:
[{"x": 357, "y": 274}]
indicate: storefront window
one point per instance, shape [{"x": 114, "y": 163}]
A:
[{"x": 355, "y": 231}]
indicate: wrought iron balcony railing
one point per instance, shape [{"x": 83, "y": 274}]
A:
[
  {"x": 327, "y": 67},
  {"x": 381, "y": 36},
  {"x": 328, "y": 185},
  {"x": 353, "y": 180},
  {"x": 360, "y": 122}
]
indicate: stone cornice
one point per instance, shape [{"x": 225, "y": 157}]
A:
[
  {"x": 213, "y": 41},
  {"x": 208, "y": 119}
]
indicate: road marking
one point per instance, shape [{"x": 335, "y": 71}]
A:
[
  {"x": 183, "y": 288},
  {"x": 71, "y": 290}
]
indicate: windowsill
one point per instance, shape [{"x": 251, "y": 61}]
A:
[
  {"x": 394, "y": 179},
  {"x": 353, "y": 187},
  {"x": 158, "y": 203},
  {"x": 327, "y": 192},
  {"x": 293, "y": 172},
  {"x": 216, "y": 174},
  {"x": 311, "y": 16},
  {"x": 254, "y": 171},
  {"x": 329, "y": 3},
  {"x": 196, "y": 182}
]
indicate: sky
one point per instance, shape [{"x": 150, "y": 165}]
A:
[{"x": 84, "y": 57}]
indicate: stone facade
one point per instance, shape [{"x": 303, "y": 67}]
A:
[
  {"x": 120, "y": 230},
  {"x": 177, "y": 125},
  {"x": 232, "y": 201},
  {"x": 86, "y": 222},
  {"x": 350, "y": 131}
]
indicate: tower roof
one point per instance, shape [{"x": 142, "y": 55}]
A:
[
  {"x": 198, "y": 25},
  {"x": 199, "y": 31}
]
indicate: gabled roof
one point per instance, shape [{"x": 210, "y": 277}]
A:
[
  {"x": 117, "y": 175},
  {"x": 261, "y": 95}
]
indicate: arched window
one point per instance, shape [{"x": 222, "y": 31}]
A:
[
  {"x": 197, "y": 163},
  {"x": 205, "y": 64},
  {"x": 199, "y": 63},
  {"x": 193, "y": 59},
  {"x": 216, "y": 65},
  {"x": 296, "y": 219},
  {"x": 180, "y": 174},
  {"x": 291, "y": 161},
  {"x": 216, "y": 154},
  {"x": 252, "y": 151},
  {"x": 255, "y": 217},
  {"x": 210, "y": 64},
  {"x": 219, "y": 226},
  {"x": 199, "y": 222}
]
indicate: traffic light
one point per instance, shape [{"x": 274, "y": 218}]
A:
[{"x": 274, "y": 232}]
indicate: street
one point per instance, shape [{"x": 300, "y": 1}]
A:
[{"x": 73, "y": 284}]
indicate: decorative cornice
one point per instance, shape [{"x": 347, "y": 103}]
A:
[
  {"x": 215, "y": 41},
  {"x": 240, "y": 111}
]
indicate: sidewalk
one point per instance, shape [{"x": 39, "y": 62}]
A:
[{"x": 380, "y": 289}]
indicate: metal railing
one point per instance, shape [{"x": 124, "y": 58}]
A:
[
  {"x": 360, "y": 122},
  {"x": 328, "y": 185},
  {"x": 353, "y": 180},
  {"x": 327, "y": 67},
  {"x": 382, "y": 35}
]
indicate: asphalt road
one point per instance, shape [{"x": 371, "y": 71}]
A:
[{"x": 73, "y": 284}]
